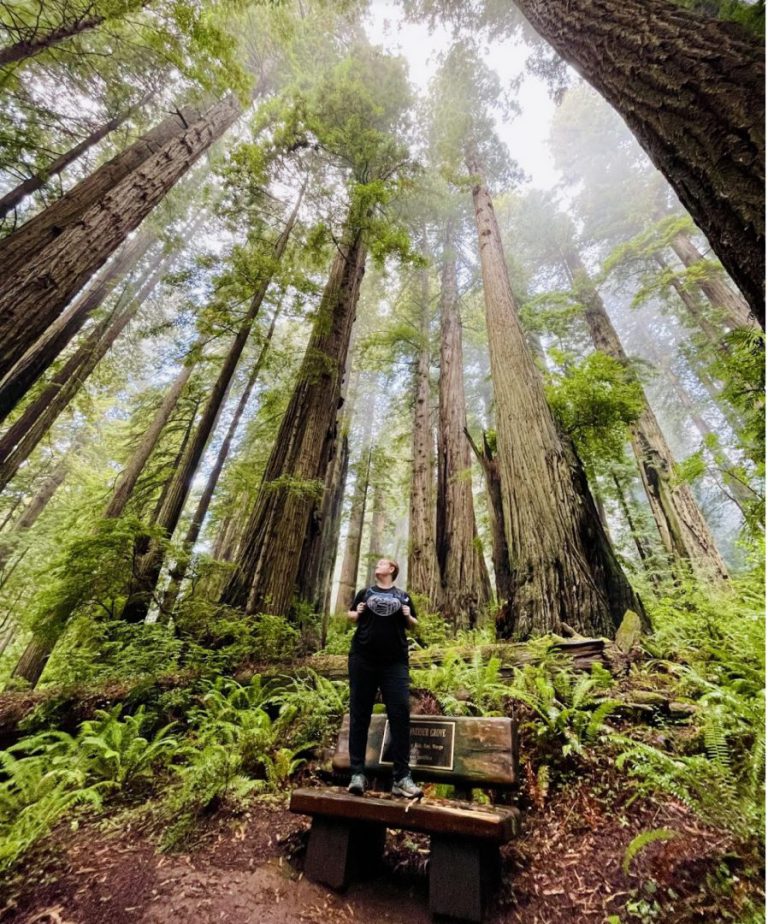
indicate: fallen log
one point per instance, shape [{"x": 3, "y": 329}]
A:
[{"x": 65, "y": 707}]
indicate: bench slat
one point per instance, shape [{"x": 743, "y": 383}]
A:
[
  {"x": 496, "y": 824},
  {"x": 485, "y": 751}
]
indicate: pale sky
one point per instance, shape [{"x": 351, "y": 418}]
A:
[{"x": 526, "y": 135}]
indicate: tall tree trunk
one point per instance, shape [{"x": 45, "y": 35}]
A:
[
  {"x": 692, "y": 306},
  {"x": 42, "y": 229},
  {"x": 12, "y": 198},
  {"x": 332, "y": 517},
  {"x": 31, "y": 664},
  {"x": 501, "y": 558},
  {"x": 331, "y": 542},
  {"x": 423, "y": 571},
  {"x": 37, "y": 42},
  {"x": 350, "y": 563},
  {"x": 34, "y": 293},
  {"x": 734, "y": 308},
  {"x": 692, "y": 90},
  {"x": 321, "y": 541},
  {"x": 296, "y": 471},
  {"x": 39, "y": 357},
  {"x": 137, "y": 605},
  {"x": 130, "y": 474},
  {"x": 736, "y": 489},
  {"x": 563, "y": 567},
  {"x": 18, "y": 442},
  {"x": 465, "y": 586},
  {"x": 179, "y": 571},
  {"x": 683, "y": 529}
]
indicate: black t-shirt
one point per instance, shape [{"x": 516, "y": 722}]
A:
[{"x": 380, "y": 634}]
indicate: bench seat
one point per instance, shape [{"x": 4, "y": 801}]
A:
[
  {"x": 428, "y": 816},
  {"x": 348, "y": 832}
]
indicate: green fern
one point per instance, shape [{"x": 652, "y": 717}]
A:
[{"x": 642, "y": 841}]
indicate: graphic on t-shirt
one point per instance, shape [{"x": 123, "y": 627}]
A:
[{"x": 383, "y": 604}]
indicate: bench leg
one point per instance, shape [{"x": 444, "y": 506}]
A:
[
  {"x": 461, "y": 875},
  {"x": 339, "y": 850}
]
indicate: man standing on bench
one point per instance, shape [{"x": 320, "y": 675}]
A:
[{"x": 378, "y": 659}]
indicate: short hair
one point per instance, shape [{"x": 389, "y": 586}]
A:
[{"x": 396, "y": 567}]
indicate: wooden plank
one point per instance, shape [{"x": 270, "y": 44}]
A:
[
  {"x": 495, "y": 824},
  {"x": 485, "y": 751}
]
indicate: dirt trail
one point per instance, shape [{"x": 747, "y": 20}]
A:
[{"x": 564, "y": 869}]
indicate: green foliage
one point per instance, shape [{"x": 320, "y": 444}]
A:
[
  {"x": 339, "y": 636},
  {"x": 570, "y": 709},
  {"x": 274, "y": 638},
  {"x": 643, "y": 840},
  {"x": 465, "y": 688},
  {"x": 57, "y": 771},
  {"x": 88, "y": 574},
  {"x": 595, "y": 401},
  {"x": 311, "y": 707},
  {"x": 116, "y": 751},
  {"x": 749, "y": 15},
  {"x": 714, "y": 646},
  {"x": 234, "y": 749},
  {"x": 742, "y": 371}
]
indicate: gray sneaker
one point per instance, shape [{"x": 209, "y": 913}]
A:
[
  {"x": 406, "y": 787},
  {"x": 358, "y": 784}
]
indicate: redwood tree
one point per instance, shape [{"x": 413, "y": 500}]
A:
[
  {"x": 367, "y": 89},
  {"x": 691, "y": 89},
  {"x": 465, "y": 586},
  {"x": 47, "y": 260}
]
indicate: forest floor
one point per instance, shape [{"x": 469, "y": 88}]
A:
[{"x": 566, "y": 866}]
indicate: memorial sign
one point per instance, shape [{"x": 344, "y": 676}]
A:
[{"x": 432, "y": 744}]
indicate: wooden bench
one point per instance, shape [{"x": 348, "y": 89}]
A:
[{"x": 348, "y": 832}]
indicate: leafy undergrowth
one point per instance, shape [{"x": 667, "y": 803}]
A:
[
  {"x": 641, "y": 788},
  {"x": 568, "y": 865}
]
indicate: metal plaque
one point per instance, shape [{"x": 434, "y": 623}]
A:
[{"x": 432, "y": 743}]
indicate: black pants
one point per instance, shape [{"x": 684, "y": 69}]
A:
[{"x": 365, "y": 678}]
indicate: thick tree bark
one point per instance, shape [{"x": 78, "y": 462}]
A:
[
  {"x": 331, "y": 545},
  {"x": 42, "y": 354},
  {"x": 179, "y": 571},
  {"x": 43, "y": 276},
  {"x": 563, "y": 567},
  {"x": 18, "y": 442},
  {"x": 42, "y": 229},
  {"x": 335, "y": 488},
  {"x": 684, "y": 531},
  {"x": 423, "y": 571},
  {"x": 31, "y": 664},
  {"x": 11, "y": 199},
  {"x": 148, "y": 572},
  {"x": 295, "y": 475},
  {"x": 501, "y": 570},
  {"x": 692, "y": 90},
  {"x": 321, "y": 542},
  {"x": 464, "y": 581}
]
